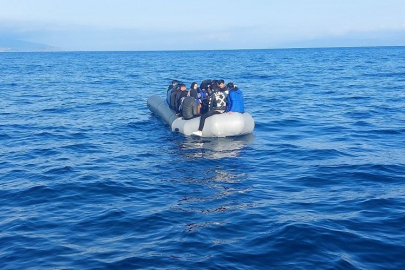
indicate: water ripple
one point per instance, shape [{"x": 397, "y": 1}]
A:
[{"x": 90, "y": 179}]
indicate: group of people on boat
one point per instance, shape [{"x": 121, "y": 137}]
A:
[{"x": 210, "y": 98}]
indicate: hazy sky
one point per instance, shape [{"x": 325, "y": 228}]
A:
[{"x": 203, "y": 24}]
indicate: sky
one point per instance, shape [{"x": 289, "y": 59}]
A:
[{"x": 127, "y": 25}]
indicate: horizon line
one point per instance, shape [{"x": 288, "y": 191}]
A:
[{"x": 197, "y": 50}]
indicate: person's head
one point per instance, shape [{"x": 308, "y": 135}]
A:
[
  {"x": 174, "y": 82},
  {"x": 193, "y": 93},
  {"x": 214, "y": 85},
  {"x": 230, "y": 85},
  {"x": 221, "y": 84},
  {"x": 194, "y": 85},
  {"x": 183, "y": 87},
  {"x": 204, "y": 85}
]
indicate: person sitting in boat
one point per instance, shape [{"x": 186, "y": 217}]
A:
[
  {"x": 217, "y": 106},
  {"x": 219, "y": 93},
  {"x": 195, "y": 92},
  {"x": 234, "y": 100},
  {"x": 189, "y": 106},
  {"x": 205, "y": 84},
  {"x": 172, "y": 86},
  {"x": 221, "y": 85},
  {"x": 204, "y": 87},
  {"x": 212, "y": 87},
  {"x": 179, "y": 95},
  {"x": 173, "y": 94},
  {"x": 205, "y": 104}
]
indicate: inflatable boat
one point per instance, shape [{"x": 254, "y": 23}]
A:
[{"x": 218, "y": 125}]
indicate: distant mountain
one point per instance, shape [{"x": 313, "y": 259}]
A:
[{"x": 14, "y": 45}]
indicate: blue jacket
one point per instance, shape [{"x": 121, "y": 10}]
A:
[{"x": 235, "y": 101}]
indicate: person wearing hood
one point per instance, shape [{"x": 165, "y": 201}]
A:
[
  {"x": 182, "y": 93},
  {"x": 189, "y": 106},
  {"x": 234, "y": 100},
  {"x": 171, "y": 87}
]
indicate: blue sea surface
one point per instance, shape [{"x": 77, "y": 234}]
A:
[{"x": 91, "y": 179}]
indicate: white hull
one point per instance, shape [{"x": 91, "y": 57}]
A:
[{"x": 218, "y": 125}]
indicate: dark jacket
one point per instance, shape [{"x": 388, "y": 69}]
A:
[
  {"x": 189, "y": 108},
  {"x": 235, "y": 101},
  {"x": 180, "y": 94},
  {"x": 173, "y": 95},
  {"x": 169, "y": 92},
  {"x": 193, "y": 93},
  {"x": 218, "y": 100}
]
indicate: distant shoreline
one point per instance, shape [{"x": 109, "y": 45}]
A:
[{"x": 58, "y": 50}]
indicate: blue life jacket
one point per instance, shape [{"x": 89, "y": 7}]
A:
[{"x": 201, "y": 95}]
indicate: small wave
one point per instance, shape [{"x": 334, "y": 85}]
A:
[
  {"x": 362, "y": 123},
  {"x": 36, "y": 194},
  {"x": 82, "y": 147},
  {"x": 59, "y": 171},
  {"x": 378, "y": 173},
  {"x": 11, "y": 85},
  {"x": 386, "y": 131},
  {"x": 135, "y": 76},
  {"x": 5, "y": 136},
  {"x": 43, "y": 152},
  {"x": 289, "y": 123},
  {"x": 105, "y": 103},
  {"x": 324, "y": 154},
  {"x": 140, "y": 123},
  {"x": 385, "y": 75}
]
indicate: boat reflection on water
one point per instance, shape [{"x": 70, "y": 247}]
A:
[
  {"x": 214, "y": 148},
  {"x": 218, "y": 191}
]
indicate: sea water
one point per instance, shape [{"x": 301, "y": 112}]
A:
[{"x": 91, "y": 179}]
